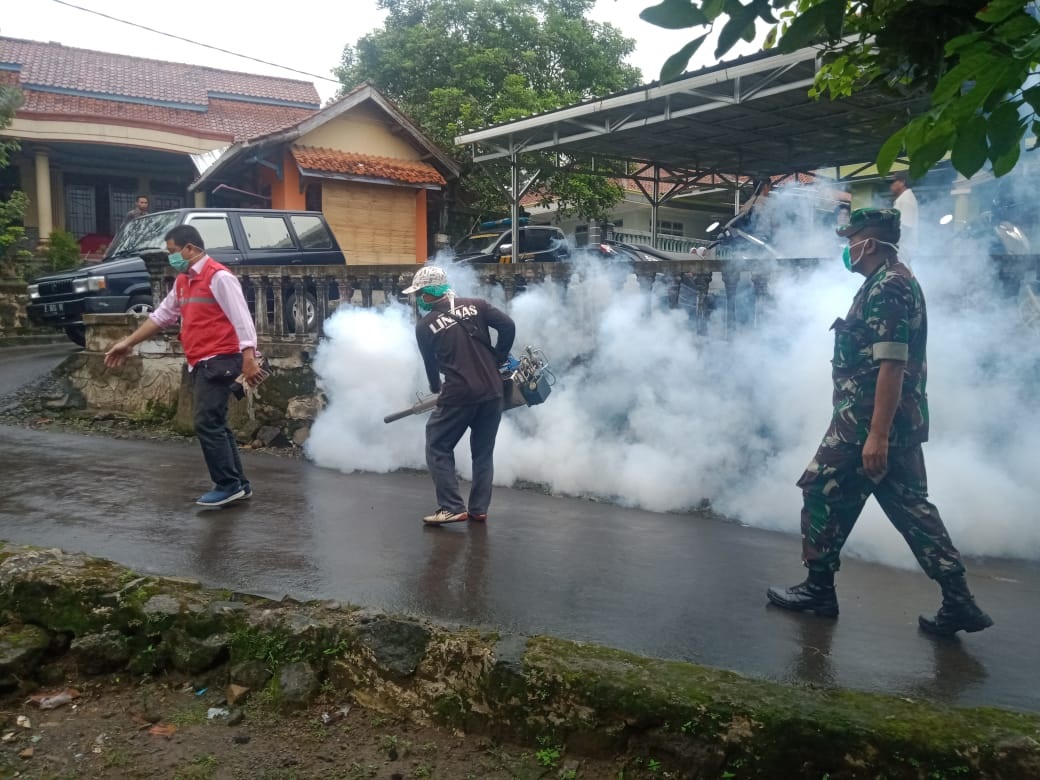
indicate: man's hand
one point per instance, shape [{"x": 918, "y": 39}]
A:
[
  {"x": 875, "y": 456},
  {"x": 118, "y": 354},
  {"x": 251, "y": 367}
]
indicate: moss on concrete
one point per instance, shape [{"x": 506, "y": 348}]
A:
[{"x": 764, "y": 728}]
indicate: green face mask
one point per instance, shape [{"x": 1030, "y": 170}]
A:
[
  {"x": 437, "y": 290},
  {"x": 846, "y": 254},
  {"x": 178, "y": 263}
]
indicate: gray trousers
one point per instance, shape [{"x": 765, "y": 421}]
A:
[{"x": 444, "y": 429}]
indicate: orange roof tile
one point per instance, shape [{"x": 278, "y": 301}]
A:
[
  {"x": 224, "y": 118},
  {"x": 117, "y": 76},
  {"x": 311, "y": 158},
  {"x": 60, "y": 82}
]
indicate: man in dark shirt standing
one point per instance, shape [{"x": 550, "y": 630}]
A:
[
  {"x": 453, "y": 339},
  {"x": 140, "y": 209}
]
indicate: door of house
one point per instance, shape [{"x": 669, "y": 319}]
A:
[{"x": 80, "y": 209}]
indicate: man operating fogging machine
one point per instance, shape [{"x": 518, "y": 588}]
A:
[{"x": 454, "y": 340}]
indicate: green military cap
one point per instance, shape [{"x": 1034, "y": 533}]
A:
[{"x": 885, "y": 220}]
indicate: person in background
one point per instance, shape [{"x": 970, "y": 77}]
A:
[
  {"x": 139, "y": 210},
  {"x": 219, "y": 339},
  {"x": 453, "y": 340},
  {"x": 873, "y": 444},
  {"x": 906, "y": 204},
  {"x": 842, "y": 214}
]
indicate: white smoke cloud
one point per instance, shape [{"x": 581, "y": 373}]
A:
[{"x": 647, "y": 413}]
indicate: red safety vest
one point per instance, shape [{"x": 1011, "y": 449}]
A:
[{"x": 205, "y": 328}]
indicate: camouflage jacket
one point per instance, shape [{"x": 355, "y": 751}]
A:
[{"x": 887, "y": 321}]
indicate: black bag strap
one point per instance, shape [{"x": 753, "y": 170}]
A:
[{"x": 472, "y": 333}]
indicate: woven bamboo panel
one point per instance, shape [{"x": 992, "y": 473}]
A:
[{"x": 374, "y": 224}]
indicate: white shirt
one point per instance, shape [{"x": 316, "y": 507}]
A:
[{"x": 907, "y": 205}]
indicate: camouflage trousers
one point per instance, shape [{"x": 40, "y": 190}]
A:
[{"x": 835, "y": 489}]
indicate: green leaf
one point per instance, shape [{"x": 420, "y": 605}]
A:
[
  {"x": 954, "y": 45},
  {"x": 674, "y": 15},
  {"x": 1032, "y": 97},
  {"x": 765, "y": 13},
  {"x": 970, "y": 149},
  {"x": 933, "y": 145},
  {"x": 890, "y": 149},
  {"x": 742, "y": 17},
  {"x": 806, "y": 27},
  {"x": 676, "y": 64},
  {"x": 998, "y": 11},
  {"x": 950, "y": 84},
  {"x": 712, "y": 8},
  {"x": 1003, "y": 164},
  {"x": 1004, "y": 129}
]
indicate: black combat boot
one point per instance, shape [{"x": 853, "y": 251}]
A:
[
  {"x": 958, "y": 612},
  {"x": 815, "y": 595}
]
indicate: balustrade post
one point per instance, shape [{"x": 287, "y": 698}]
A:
[
  {"x": 508, "y": 282},
  {"x": 321, "y": 302},
  {"x": 299, "y": 312},
  {"x": 760, "y": 284},
  {"x": 263, "y": 327},
  {"x": 731, "y": 279},
  {"x": 278, "y": 289},
  {"x": 366, "y": 292},
  {"x": 701, "y": 285}
]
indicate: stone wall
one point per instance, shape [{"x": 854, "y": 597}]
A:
[
  {"x": 14, "y": 322},
  {"x": 154, "y": 382}
]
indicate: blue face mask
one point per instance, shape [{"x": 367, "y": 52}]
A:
[
  {"x": 178, "y": 263},
  {"x": 846, "y": 254},
  {"x": 422, "y": 304}
]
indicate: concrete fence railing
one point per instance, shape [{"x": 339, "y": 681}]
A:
[{"x": 291, "y": 303}]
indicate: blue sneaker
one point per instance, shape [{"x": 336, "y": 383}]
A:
[{"x": 216, "y": 498}]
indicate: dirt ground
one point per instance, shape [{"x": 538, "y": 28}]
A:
[{"x": 117, "y": 728}]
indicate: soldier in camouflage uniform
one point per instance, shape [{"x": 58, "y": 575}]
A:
[{"x": 873, "y": 444}]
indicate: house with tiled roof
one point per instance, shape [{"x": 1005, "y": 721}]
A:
[
  {"x": 97, "y": 129},
  {"x": 378, "y": 179}
]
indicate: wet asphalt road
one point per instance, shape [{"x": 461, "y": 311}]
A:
[
  {"x": 671, "y": 586},
  {"x": 19, "y": 365}
]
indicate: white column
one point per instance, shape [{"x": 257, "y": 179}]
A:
[
  {"x": 200, "y": 199},
  {"x": 43, "y": 194}
]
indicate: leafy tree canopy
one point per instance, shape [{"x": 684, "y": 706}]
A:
[
  {"x": 459, "y": 65},
  {"x": 974, "y": 58}
]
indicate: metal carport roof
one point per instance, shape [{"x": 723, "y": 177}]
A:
[{"x": 750, "y": 116}]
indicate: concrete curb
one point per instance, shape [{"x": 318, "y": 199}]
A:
[{"x": 697, "y": 721}]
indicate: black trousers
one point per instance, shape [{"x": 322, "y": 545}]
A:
[{"x": 212, "y": 380}]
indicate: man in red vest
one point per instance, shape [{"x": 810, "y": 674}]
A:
[{"x": 219, "y": 340}]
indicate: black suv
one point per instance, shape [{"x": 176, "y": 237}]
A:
[
  {"x": 120, "y": 283},
  {"x": 492, "y": 243}
]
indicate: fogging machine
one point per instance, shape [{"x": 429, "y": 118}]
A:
[{"x": 526, "y": 381}]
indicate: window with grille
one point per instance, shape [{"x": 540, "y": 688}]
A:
[
  {"x": 666, "y": 228},
  {"x": 80, "y": 209}
]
